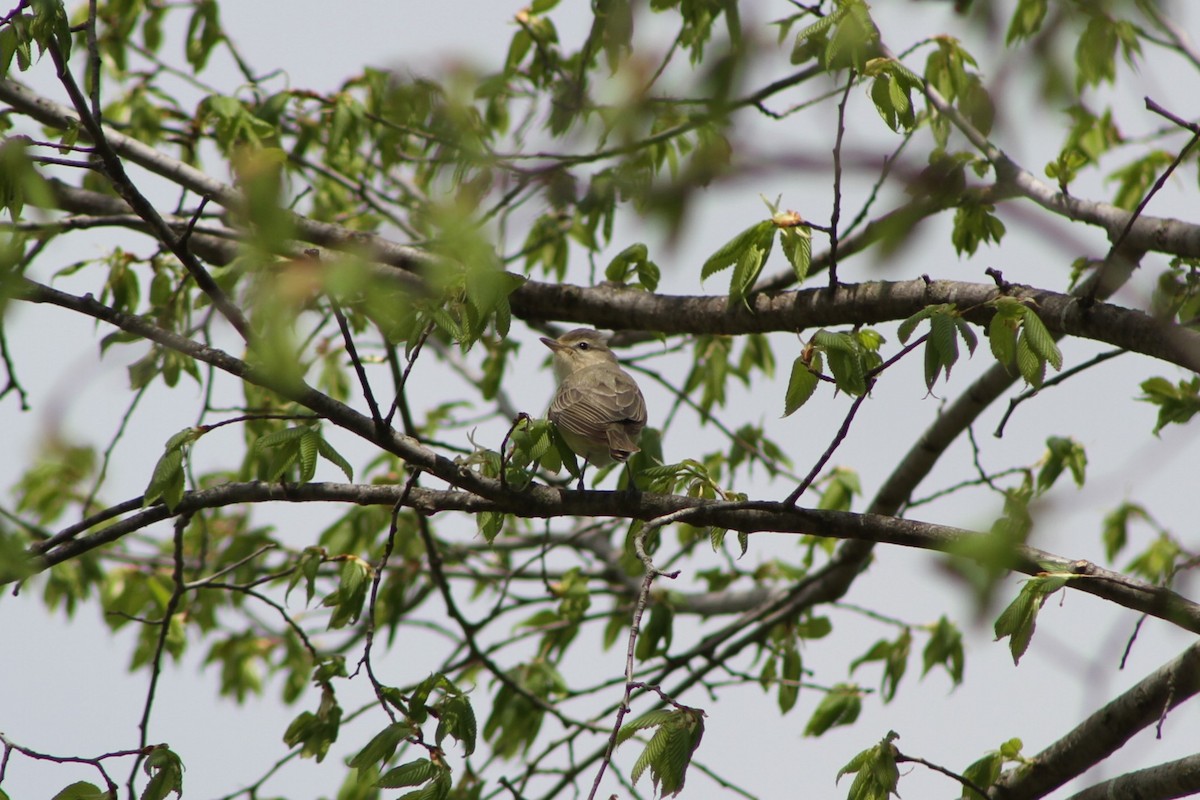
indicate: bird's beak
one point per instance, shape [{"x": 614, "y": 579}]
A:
[{"x": 554, "y": 344}]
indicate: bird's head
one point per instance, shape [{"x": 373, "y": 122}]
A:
[{"x": 574, "y": 350}]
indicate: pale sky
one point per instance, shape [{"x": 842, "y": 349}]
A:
[{"x": 64, "y": 688}]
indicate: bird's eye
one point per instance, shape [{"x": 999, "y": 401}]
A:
[{"x": 583, "y": 346}]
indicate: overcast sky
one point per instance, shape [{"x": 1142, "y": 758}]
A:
[{"x": 63, "y": 685}]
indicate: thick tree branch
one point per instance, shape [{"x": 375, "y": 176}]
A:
[
  {"x": 1107, "y": 730},
  {"x": 1180, "y": 778},
  {"x": 756, "y": 517}
]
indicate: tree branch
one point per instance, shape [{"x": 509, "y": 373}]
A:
[
  {"x": 1105, "y": 731},
  {"x": 1180, "y": 778},
  {"x": 754, "y": 517}
]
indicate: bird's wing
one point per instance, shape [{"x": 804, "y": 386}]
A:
[
  {"x": 613, "y": 400},
  {"x": 576, "y": 412}
]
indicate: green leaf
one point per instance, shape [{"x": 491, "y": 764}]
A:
[
  {"x": 80, "y": 790},
  {"x": 909, "y": 325},
  {"x": 875, "y": 771},
  {"x": 307, "y": 448},
  {"x": 1040, "y": 340},
  {"x": 840, "y": 706},
  {"x": 792, "y": 672},
  {"x": 412, "y": 773},
  {"x": 669, "y": 752},
  {"x": 733, "y": 251},
  {"x": 1019, "y": 619},
  {"x": 801, "y": 385},
  {"x": 1031, "y": 367},
  {"x": 166, "y": 774},
  {"x": 1116, "y": 527},
  {"x": 975, "y": 224},
  {"x": 1177, "y": 403},
  {"x": 1026, "y": 20},
  {"x": 1062, "y": 453},
  {"x": 945, "y": 647},
  {"x": 796, "y": 243},
  {"x": 334, "y": 457},
  {"x": 167, "y": 481},
  {"x": 382, "y": 745}
]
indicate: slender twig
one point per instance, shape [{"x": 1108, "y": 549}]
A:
[
  {"x": 504, "y": 454},
  {"x": 966, "y": 782},
  {"x": 469, "y": 629},
  {"x": 1162, "y": 179},
  {"x": 14, "y": 384},
  {"x": 156, "y": 665},
  {"x": 365, "y": 660},
  {"x": 837, "y": 182},
  {"x": 10, "y": 746},
  {"x": 112, "y": 444},
  {"x": 403, "y": 381},
  {"x": 643, "y": 598},
  {"x": 1057, "y": 379},
  {"x": 355, "y": 361},
  {"x": 833, "y": 445}
]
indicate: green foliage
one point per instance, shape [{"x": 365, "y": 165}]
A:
[
  {"x": 846, "y": 38},
  {"x": 166, "y": 774},
  {"x": 166, "y": 483},
  {"x": 850, "y": 356},
  {"x": 315, "y": 732},
  {"x": 1089, "y": 138},
  {"x": 1026, "y": 20},
  {"x": 945, "y": 647},
  {"x": 892, "y": 86},
  {"x": 48, "y": 488},
  {"x": 986, "y": 771},
  {"x": 746, "y": 253},
  {"x": 1177, "y": 403},
  {"x": 894, "y": 655},
  {"x": 948, "y": 69},
  {"x": 875, "y": 772},
  {"x": 520, "y": 706},
  {"x": 946, "y": 326},
  {"x": 297, "y": 448},
  {"x": 1018, "y": 620},
  {"x": 80, "y": 790},
  {"x": 347, "y": 600},
  {"x": 634, "y": 261},
  {"x": 677, "y": 735},
  {"x": 803, "y": 381},
  {"x": 840, "y": 487},
  {"x": 384, "y": 233},
  {"x": 841, "y": 705},
  {"x": 1019, "y": 338},
  {"x": 1095, "y": 55},
  {"x": 23, "y": 183},
  {"x": 1135, "y": 178},
  {"x": 975, "y": 224},
  {"x": 1062, "y": 454}
]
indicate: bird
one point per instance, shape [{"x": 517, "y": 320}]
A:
[{"x": 598, "y": 408}]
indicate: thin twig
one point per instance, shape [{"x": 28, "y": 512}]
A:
[
  {"x": 412, "y": 360},
  {"x": 355, "y": 361},
  {"x": 177, "y": 591},
  {"x": 1057, "y": 379},
  {"x": 837, "y": 440},
  {"x": 13, "y": 385},
  {"x": 365, "y": 660},
  {"x": 966, "y": 782},
  {"x": 652, "y": 572},
  {"x": 837, "y": 183}
]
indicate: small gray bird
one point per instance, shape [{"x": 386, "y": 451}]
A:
[{"x": 598, "y": 407}]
